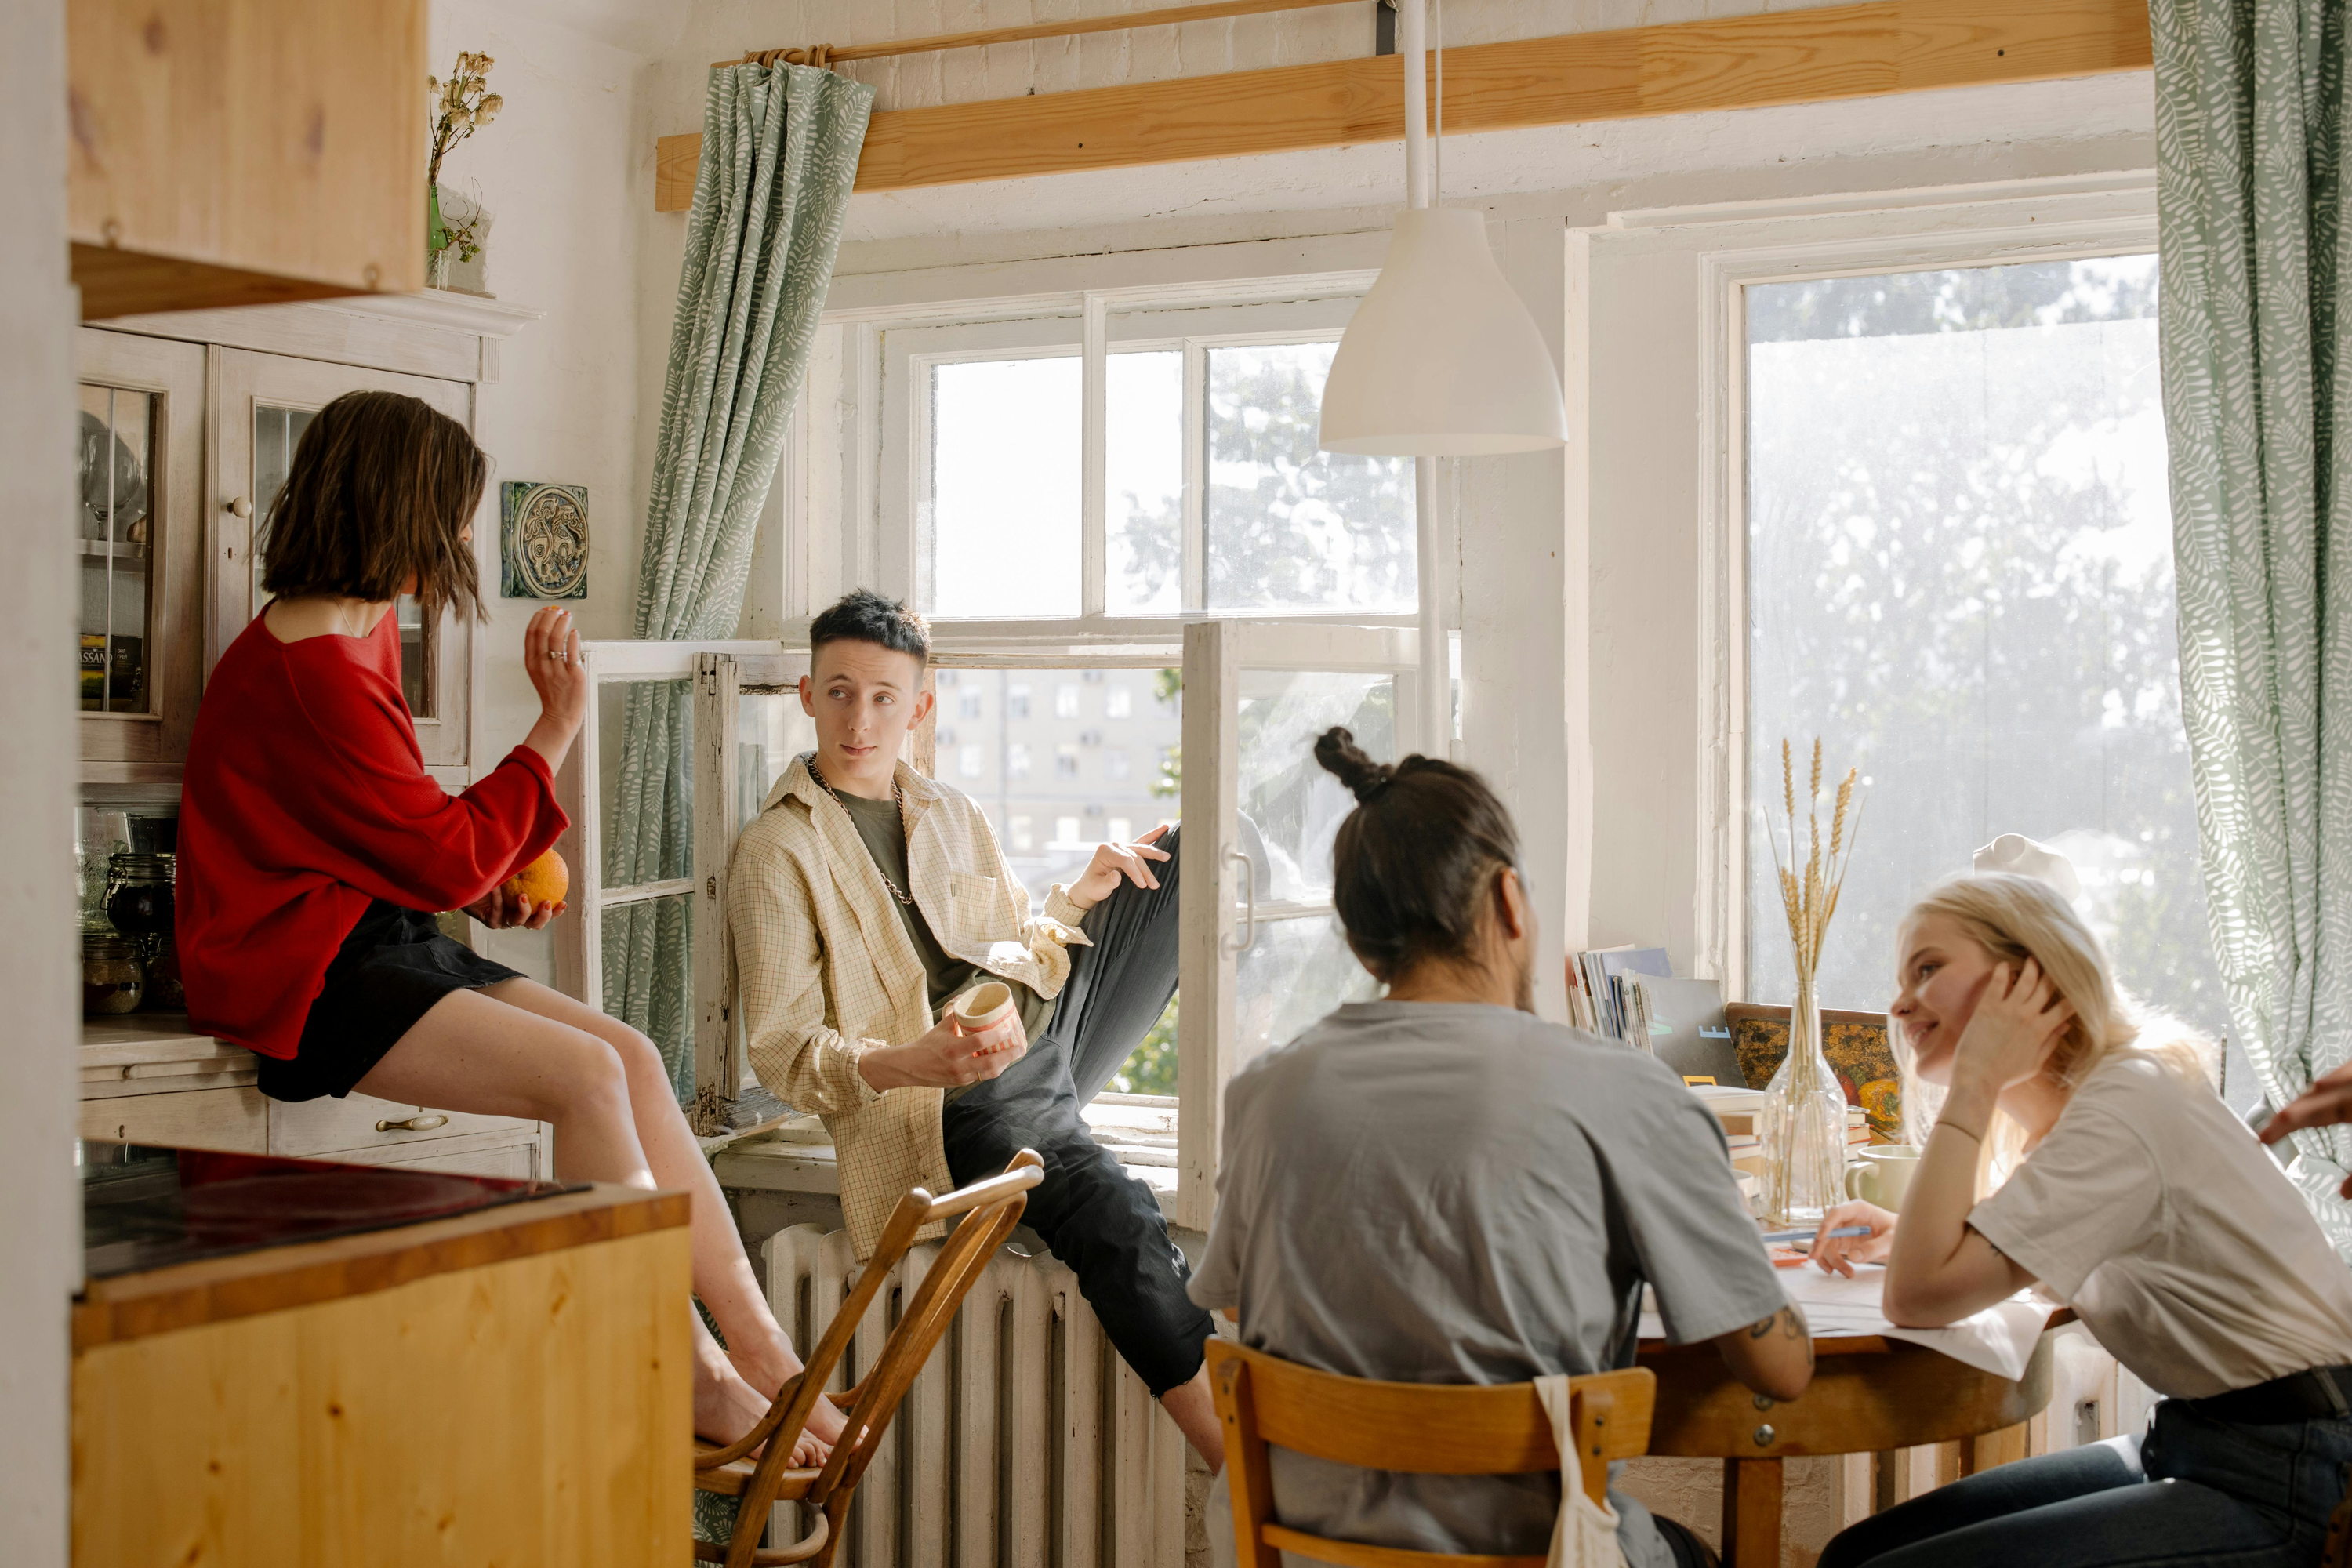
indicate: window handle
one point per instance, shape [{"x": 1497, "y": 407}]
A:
[{"x": 1249, "y": 904}]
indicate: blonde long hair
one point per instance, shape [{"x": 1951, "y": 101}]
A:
[{"x": 2014, "y": 917}]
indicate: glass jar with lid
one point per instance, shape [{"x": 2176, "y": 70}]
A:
[
  {"x": 113, "y": 980},
  {"x": 139, "y": 897}
]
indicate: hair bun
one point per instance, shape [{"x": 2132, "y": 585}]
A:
[{"x": 1336, "y": 750}]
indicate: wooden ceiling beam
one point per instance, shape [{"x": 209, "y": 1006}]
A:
[{"x": 1683, "y": 67}]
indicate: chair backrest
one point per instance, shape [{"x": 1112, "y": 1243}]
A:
[
  {"x": 1445, "y": 1429},
  {"x": 991, "y": 1207}
]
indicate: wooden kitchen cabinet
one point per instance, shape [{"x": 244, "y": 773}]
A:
[
  {"x": 511, "y": 1386},
  {"x": 147, "y": 1079},
  {"x": 261, "y": 404},
  {"x": 139, "y": 453},
  {"x": 244, "y": 151},
  {"x": 188, "y": 423}
]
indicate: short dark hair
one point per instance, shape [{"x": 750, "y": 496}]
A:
[
  {"x": 863, "y": 615},
  {"x": 381, "y": 485},
  {"x": 1412, "y": 863}
]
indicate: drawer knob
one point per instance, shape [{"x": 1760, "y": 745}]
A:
[{"x": 424, "y": 1123}]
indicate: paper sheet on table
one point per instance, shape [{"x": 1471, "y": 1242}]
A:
[{"x": 2000, "y": 1339}]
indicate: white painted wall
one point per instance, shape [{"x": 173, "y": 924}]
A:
[
  {"x": 40, "y": 1225},
  {"x": 560, "y": 169}
]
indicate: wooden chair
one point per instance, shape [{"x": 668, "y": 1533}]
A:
[
  {"x": 1435, "y": 1429},
  {"x": 992, "y": 1208}
]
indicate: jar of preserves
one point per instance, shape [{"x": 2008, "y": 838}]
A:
[
  {"x": 113, "y": 980},
  {"x": 138, "y": 895}
]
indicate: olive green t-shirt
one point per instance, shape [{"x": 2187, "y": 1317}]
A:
[{"x": 884, "y": 833}]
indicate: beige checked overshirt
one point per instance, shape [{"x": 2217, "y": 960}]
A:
[{"x": 827, "y": 971}]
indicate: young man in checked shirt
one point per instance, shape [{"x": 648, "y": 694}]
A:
[{"x": 864, "y": 900}]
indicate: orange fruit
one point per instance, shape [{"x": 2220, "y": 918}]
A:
[{"x": 544, "y": 881}]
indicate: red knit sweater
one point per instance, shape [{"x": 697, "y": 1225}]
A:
[{"x": 304, "y": 798}]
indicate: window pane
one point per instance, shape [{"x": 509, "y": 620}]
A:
[
  {"x": 648, "y": 956},
  {"x": 115, "y": 523},
  {"x": 1033, "y": 768},
  {"x": 1960, "y": 575},
  {"x": 276, "y": 432},
  {"x": 1296, "y": 807},
  {"x": 770, "y": 731},
  {"x": 651, "y": 788},
  {"x": 1001, "y": 533},
  {"x": 1143, "y": 464},
  {"x": 1292, "y": 527},
  {"x": 1292, "y": 975}
]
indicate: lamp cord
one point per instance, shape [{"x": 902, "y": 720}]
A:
[{"x": 1437, "y": 143}]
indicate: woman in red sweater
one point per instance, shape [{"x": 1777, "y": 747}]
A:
[{"x": 312, "y": 843}]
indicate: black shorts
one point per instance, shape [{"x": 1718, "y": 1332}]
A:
[{"x": 389, "y": 973}]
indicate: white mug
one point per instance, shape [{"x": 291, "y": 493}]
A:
[
  {"x": 1883, "y": 1174},
  {"x": 983, "y": 1007}
]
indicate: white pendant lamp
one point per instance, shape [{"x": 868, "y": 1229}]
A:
[{"x": 1442, "y": 360}]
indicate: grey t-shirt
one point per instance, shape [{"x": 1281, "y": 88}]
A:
[{"x": 1452, "y": 1192}]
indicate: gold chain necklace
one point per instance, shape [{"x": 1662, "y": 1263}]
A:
[{"x": 898, "y": 799}]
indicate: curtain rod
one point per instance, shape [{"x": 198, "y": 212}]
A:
[{"x": 825, "y": 54}]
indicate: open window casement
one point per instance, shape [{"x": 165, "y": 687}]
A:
[
  {"x": 646, "y": 938},
  {"x": 1263, "y": 957}
]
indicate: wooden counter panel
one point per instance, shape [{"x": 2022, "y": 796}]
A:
[
  {"x": 221, "y": 1289},
  {"x": 532, "y": 1409}
]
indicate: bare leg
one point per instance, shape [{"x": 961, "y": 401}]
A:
[
  {"x": 756, "y": 1343},
  {"x": 473, "y": 1053},
  {"x": 1194, "y": 1410}
]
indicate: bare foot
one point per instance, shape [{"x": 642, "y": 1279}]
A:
[
  {"x": 769, "y": 1374},
  {"x": 726, "y": 1408}
]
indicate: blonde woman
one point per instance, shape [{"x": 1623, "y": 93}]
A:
[{"x": 2136, "y": 1197}]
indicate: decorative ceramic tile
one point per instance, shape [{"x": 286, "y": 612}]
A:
[{"x": 542, "y": 541}]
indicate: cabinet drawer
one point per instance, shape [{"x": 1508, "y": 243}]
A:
[
  {"x": 234, "y": 1119},
  {"x": 519, "y": 1154},
  {"x": 328, "y": 1125}
]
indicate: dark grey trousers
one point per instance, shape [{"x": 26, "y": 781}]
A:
[{"x": 1103, "y": 1222}]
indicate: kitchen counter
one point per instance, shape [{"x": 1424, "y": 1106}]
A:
[{"x": 506, "y": 1382}]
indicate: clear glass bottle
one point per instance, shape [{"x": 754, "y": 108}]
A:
[{"x": 1804, "y": 1123}]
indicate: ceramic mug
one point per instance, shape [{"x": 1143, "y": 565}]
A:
[
  {"x": 983, "y": 1007},
  {"x": 1883, "y": 1174}
]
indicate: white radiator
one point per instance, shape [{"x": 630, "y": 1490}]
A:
[{"x": 1026, "y": 1442}]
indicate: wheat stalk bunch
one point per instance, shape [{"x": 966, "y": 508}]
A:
[{"x": 1809, "y": 894}]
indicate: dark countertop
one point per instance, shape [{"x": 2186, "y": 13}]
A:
[{"x": 175, "y": 1237}]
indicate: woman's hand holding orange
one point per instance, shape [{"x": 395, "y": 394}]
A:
[{"x": 499, "y": 909}]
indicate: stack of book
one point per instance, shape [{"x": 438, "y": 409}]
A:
[
  {"x": 1741, "y": 1112},
  {"x": 1604, "y": 994},
  {"x": 1857, "y": 1128}
]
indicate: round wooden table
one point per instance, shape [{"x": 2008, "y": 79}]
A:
[{"x": 1869, "y": 1394}]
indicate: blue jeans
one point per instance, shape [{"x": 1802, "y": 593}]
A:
[{"x": 2193, "y": 1490}]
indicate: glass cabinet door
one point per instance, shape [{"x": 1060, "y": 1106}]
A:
[
  {"x": 138, "y": 571},
  {"x": 266, "y": 402}
]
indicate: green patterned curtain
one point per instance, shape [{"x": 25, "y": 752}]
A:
[
  {"x": 2249, "y": 123},
  {"x": 780, "y": 149}
]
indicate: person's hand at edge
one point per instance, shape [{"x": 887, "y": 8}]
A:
[{"x": 1113, "y": 861}]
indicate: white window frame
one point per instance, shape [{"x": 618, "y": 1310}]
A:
[
  {"x": 1722, "y": 250},
  {"x": 721, "y": 671},
  {"x": 1215, "y": 929},
  {"x": 892, "y": 357}
]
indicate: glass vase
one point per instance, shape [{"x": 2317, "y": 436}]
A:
[{"x": 1804, "y": 1123}]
